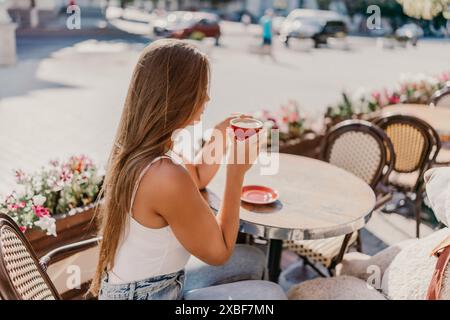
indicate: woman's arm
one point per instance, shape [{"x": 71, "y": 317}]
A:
[{"x": 208, "y": 159}]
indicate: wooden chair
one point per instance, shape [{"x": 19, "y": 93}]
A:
[
  {"x": 441, "y": 99},
  {"x": 416, "y": 145},
  {"x": 362, "y": 149},
  {"x": 22, "y": 275}
]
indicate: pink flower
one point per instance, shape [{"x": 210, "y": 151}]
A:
[
  {"x": 66, "y": 175},
  {"x": 394, "y": 99},
  {"x": 23, "y": 229},
  {"x": 294, "y": 117},
  {"x": 40, "y": 211},
  {"x": 54, "y": 163},
  {"x": 403, "y": 88},
  {"x": 22, "y": 204},
  {"x": 20, "y": 176},
  {"x": 80, "y": 163},
  {"x": 376, "y": 95},
  {"x": 265, "y": 114},
  {"x": 13, "y": 206},
  {"x": 274, "y": 122}
]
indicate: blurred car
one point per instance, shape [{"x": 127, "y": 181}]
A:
[
  {"x": 385, "y": 29},
  {"x": 186, "y": 24},
  {"x": 277, "y": 23},
  {"x": 409, "y": 32},
  {"x": 318, "y": 25},
  {"x": 237, "y": 16}
]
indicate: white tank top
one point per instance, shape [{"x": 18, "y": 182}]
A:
[{"x": 145, "y": 252}]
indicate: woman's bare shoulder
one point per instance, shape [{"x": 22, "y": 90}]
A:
[{"x": 165, "y": 176}]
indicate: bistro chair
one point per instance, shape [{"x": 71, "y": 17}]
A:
[
  {"x": 363, "y": 149},
  {"x": 441, "y": 99},
  {"x": 22, "y": 275},
  {"x": 416, "y": 145},
  {"x": 443, "y": 157}
]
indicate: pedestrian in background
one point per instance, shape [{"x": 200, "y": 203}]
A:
[
  {"x": 246, "y": 20},
  {"x": 267, "y": 33}
]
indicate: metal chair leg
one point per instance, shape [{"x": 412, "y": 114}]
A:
[
  {"x": 344, "y": 246},
  {"x": 335, "y": 262},
  {"x": 359, "y": 246},
  {"x": 313, "y": 266},
  {"x": 417, "y": 209}
]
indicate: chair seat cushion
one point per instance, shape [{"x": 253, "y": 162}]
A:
[
  {"x": 337, "y": 288},
  {"x": 240, "y": 290},
  {"x": 404, "y": 180},
  {"x": 320, "y": 251}
]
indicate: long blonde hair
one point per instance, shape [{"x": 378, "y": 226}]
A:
[{"x": 168, "y": 86}]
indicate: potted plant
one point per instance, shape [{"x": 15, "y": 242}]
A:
[
  {"x": 418, "y": 88},
  {"x": 363, "y": 104},
  {"x": 55, "y": 205},
  {"x": 294, "y": 137}
]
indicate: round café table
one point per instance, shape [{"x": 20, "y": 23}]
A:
[
  {"x": 316, "y": 200},
  {"x": 437, "y": 117}
]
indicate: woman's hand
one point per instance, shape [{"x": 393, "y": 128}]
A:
[
  {"x": 224, "y": 124},
  {"x": 243, "y": 154}
]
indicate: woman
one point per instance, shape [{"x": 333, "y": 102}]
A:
[{"x": 153, "y": 216}]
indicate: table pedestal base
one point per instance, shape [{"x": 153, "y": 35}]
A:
[{"x": 274, "y": 249}]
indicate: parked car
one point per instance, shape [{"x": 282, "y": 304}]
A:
[
  {"x": 318, "y": 25},
  {"x": 409, "y": 32},
  {"x": 384, "y": 30},
  {"x": 277, "y": 23},
  {"x": 237, "y": 16},
  {"x": 186, "y": 24}
]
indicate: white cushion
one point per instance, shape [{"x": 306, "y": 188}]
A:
[
  {"x": 337, "y": 288},
  {"x": 409, "y": 274},
  {"x": 438, "y": 192}
]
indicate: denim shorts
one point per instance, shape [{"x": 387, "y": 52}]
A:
[{"x": 164, "y": 287}]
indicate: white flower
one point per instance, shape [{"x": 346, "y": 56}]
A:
[
  {"x": 283, "y": 127},
  {"x": 406, "y": 77},
  {"x": 360, "y": 94},
  {"x": 39, "y": 200},
  {"x": 48, "y": 224}
]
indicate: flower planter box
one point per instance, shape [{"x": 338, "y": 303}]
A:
[
  {"x": 69, "y": 228},
  {"x": 332, "y": 121},
  {"x": 307, "y": 146}
]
